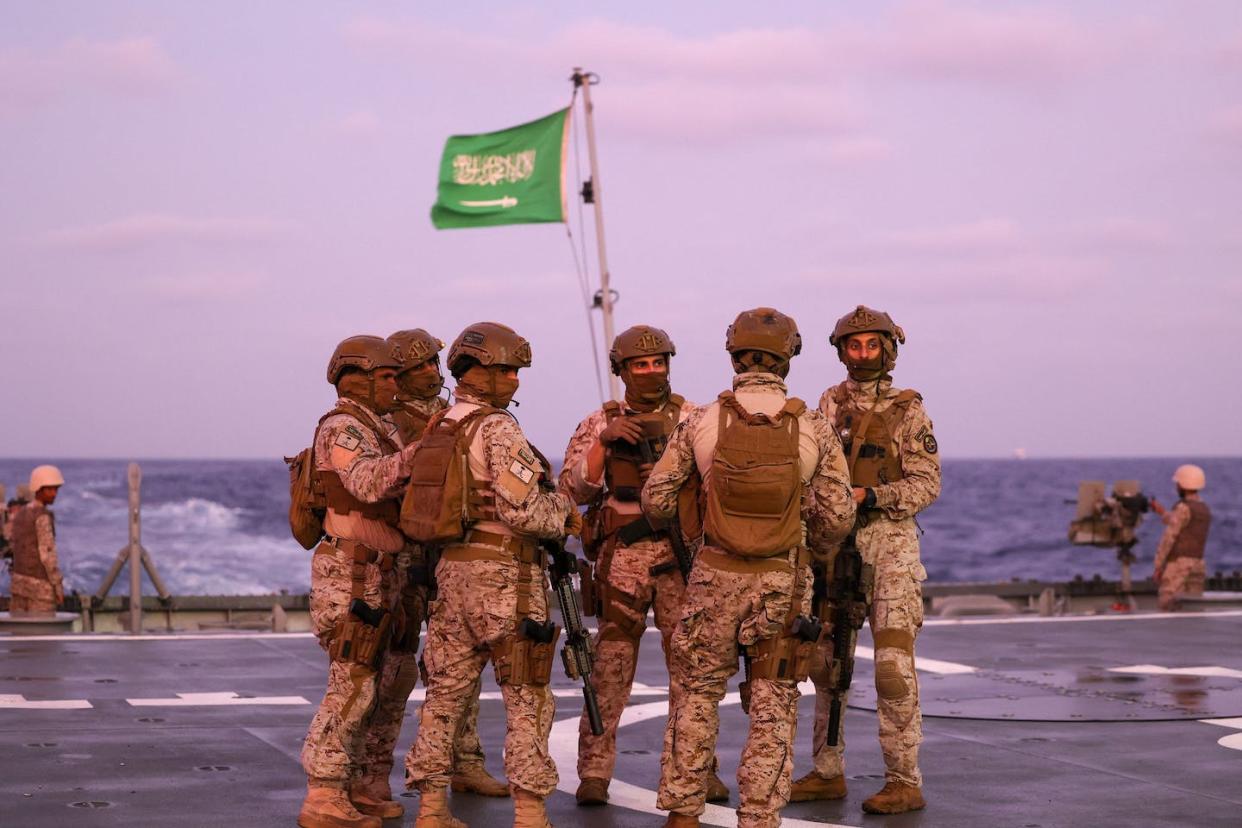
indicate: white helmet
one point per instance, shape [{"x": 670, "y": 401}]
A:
[
  {"x": 1190, "y": 478},
  {"x": 45, "y": 476}
]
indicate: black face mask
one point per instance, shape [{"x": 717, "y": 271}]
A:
[{"x": 646, "y": 392}]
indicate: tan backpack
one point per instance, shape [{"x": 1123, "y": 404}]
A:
[
  {"x": 308, "y": 502},
  {"x": 442, "y": 498},
  {"x": 754, "y": 493}
]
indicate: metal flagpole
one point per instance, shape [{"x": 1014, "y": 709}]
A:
[{"x": 604, "y": 298}]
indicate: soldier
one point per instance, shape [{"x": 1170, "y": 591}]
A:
[
  {"x": 37, "y": 585},
  {"x": 895, "y": 472},
  {"x": 361, "y": 467},
  {"x": 772, "y": 472},
  {"x": 418, "y": 382},
  {"x": 492, "y": 595},
  {"x": 635, "y": 569},
  {"x": 1179, "y": 557}
]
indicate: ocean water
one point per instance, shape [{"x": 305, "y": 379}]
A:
[{"x": 219, "y": 527}]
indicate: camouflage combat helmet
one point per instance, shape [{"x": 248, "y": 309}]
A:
[
  {"x": 491, "y": 344},
  {"x": 414, "y": 346},
  {"x": 363, "y": 352},
  {"x": 764, "y": 329},
  {"x": 865, "y": 320},
  {"x": 639, "y": 341}
]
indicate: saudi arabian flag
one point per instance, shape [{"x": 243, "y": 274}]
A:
[{"x": 514, "y": 176}]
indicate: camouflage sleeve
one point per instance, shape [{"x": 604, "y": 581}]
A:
[
  {"x": 827, "y": 406},
  {"x": 45, "y": 537},
  {"x": 1174, "y": 520},
  {"x": 830, "y": 505},
  {"x": 352, "y": 450},
  {"x": 659, "y": 495},
  {"x": 514, "y": 469},
  {"x": 573, "y": 480},
  {"x": 920, "y": 465}
]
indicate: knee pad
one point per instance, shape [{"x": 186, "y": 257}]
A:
[{"x": 890, "y": 684}]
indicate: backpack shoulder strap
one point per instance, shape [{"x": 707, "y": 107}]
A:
[{"x": 612, "y": 410}]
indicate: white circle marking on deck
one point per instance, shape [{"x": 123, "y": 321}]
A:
[{"x": 563, "y": 747}]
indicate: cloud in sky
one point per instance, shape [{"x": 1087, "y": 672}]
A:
[
  {"x": 147, "y": 230},
  {"x": 131, "y": 66}
]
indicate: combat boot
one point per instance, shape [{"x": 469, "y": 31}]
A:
[
  {"x": 717, "y": 790},
  {"x": 895, "y": 798},
  {"x": 813, "y": 787},
  {"x": 373, "y": 796},
  {"x": 475, "y": 779},
  {"x": 592, "y": 791},
  {"x": 528, "y": 810},
  {"x": 681, "y": 821},
  {"x": 331, "y": 808},
  {"x": 433, "y": 810}
]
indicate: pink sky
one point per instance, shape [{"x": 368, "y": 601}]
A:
[{"x": 1048, "y": 197}]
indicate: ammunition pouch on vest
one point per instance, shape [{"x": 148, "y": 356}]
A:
[
  {"x": 526, "y": 657},
  {"x": 623, "y": 476},
  {"x": 754, "y": 497},
  {"x": 1192, "y": 540},
  {"x": 870, "y": 438},
  {"x": 443, "y": 498}
]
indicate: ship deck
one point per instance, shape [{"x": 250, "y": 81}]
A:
[{"x": 1114, "y": 720}]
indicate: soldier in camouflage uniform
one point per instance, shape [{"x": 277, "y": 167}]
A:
[
  {"x": 1179, "y": 568},
  {"x": 361, "y": 467},
  {"x": 749, "y": 591},
  {"x": 37, "y": 585},
  {"x": 895, "y": 471},
  {"x": 419, "y": 382},
  {"x": 637, "y": 571},
  {"x": 489, "y": 585}
]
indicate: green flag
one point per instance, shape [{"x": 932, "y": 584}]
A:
[{"x": 514, "y": 176}]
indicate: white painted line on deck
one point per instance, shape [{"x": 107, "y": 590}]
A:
[
  {"x": 1057, "y": 619},
  {"x": 227, "y": 699},
  {"x": 1157, "y": 670},
  {"x": 927, "y": 665},
  {"x": 563, "y": 747},
  {"x": 19, "y": 702}
]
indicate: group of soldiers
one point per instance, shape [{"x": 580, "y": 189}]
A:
[
  {"x": 727, "y": 520},
  {"x": 28, "y": 540}
]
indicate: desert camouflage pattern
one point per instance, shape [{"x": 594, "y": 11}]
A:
[
  {"x": 1180, "y": 575},
  {"x": 334, "y": 751},
  {"x": 348, "y": 446},
  {"x": 627, "y": 570},
  {"x": 475, "y": 611},
  {"x": 33, "y": 594},
  {"x": 418, "y": 408},
  {"x": 723, "y": 609},
  {"x": 889, "y": 542}
]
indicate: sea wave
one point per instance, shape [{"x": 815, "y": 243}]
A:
[{"x": 194, "y": 514}]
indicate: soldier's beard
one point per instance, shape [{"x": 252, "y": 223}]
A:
[
  {"x": 645, "y": 392},
  {"x": 489, "y": 385}
]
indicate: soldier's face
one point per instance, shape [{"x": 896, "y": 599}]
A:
[
  {"x": 47, "y": 495},
  {"x": 864, "y": 347},
  {"x": 385, "y": 390},
  {"x": 417, "y": 379},
  {"x": 657, "y": 364}
]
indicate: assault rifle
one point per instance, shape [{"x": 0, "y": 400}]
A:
[
  {"x": 847, "y": 594},
  {"x": 577, "y": 655},
  {"x": 672, "y": 526}
]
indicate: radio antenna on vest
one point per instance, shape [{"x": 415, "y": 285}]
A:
[{"x": 605, "y": 297}]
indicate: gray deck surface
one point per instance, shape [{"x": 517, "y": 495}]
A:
[{"x": 1010, "y": 749}]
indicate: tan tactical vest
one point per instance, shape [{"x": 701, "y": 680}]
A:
[
  {"x": 622, "y": 460},
  {"x": 1192, "y": 539},
  {"x": 875, "y": 454},
  {"x": 26, "y": 560},
  {"x": 338, "y": 497},
  {"x": 444, "y": 498},
  {"x": 754, "y": 491},
  {"x": 410, "y": 423}
]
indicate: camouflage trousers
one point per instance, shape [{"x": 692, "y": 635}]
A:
[
  {"x": 397, "y": 679},
  {"x": 475, "y": 612},
  {"x": 724, "y": 609},
  {"x": 334, "y": 751},
  {"x": 627, "y": 590},
  {"x": 1180, "y": 575},
  {"x": 895, "y": 619},
  {"x": 34, "y": 596}
]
